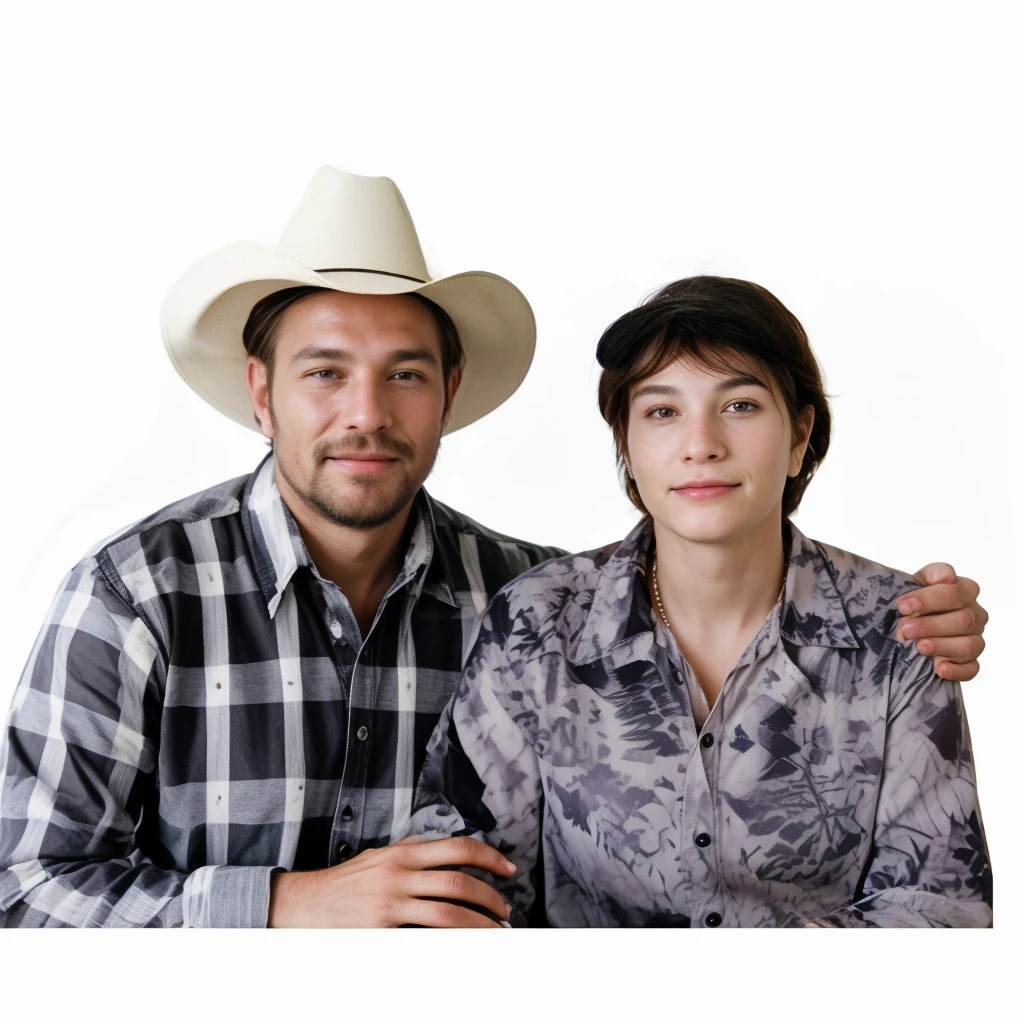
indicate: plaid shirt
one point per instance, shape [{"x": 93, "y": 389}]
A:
[{"x": 200, "y": 709}]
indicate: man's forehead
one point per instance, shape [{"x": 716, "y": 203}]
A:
[{"x": 351, "y": 321}]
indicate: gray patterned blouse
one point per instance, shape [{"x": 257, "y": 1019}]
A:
[{"x": 832, "y": 782}]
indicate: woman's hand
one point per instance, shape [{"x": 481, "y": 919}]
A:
[{"x": 945, "y": 619}]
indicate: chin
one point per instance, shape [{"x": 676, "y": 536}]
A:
[{"x": 704, "y": 527}]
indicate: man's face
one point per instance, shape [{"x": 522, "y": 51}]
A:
[{"x": 356, "y": 405}]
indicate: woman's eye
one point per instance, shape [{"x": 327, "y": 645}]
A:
[
  {"x": 739, "y": 406},
  {"x": 662, "y": 412}
]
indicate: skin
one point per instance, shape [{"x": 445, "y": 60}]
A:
[
  {"x": 358, "y": 377},
  {"x": 685, "y": 424}
]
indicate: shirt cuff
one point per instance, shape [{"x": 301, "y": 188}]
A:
[{"x": 225, "y": 896}]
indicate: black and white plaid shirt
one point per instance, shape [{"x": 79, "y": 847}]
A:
[{"x": 200, "y": 708}]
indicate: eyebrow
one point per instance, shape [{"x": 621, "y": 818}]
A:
[
  {"x": 312, "y": 353},
  {"x": 670, "y": 391}
]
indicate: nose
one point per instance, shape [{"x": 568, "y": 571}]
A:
[
  {"x": 703, "y": 439},
  {"x": 365, "y": 407}
]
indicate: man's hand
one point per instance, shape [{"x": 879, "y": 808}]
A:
[
  {"x": 945, "y": 619},
  {"x": 393, "y": 886}
]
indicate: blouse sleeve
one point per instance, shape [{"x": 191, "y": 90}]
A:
[
  {"x": 929, "y": 863},
  {"x": 481, "y": 775}
]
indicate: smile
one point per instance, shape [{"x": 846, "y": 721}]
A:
[{"x": 363, "y": 465}]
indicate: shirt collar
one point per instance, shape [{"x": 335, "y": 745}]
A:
[
  {"x": 278, "y": 550},
  {"x": 813, "y": 612}
]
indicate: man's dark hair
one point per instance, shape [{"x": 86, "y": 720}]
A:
[
  {"x": 713, "y": 320},
  {"x": 260, "y": 330}
]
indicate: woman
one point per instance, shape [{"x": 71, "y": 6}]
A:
[{"x": 711, "y": 723}]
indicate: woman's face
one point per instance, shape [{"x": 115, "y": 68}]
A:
[{"x": 711, "y": 450}]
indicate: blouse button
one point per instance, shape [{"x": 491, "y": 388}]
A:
[
  {"x": 702, "y": 839},
  {"x": 713, "y": 920},
  {"x": 707, "y": 740},
  {"x": 362, "y": 732}
]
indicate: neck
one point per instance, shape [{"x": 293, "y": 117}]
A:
[
  {"x": 362, "y": 563},
  {"x": 720, "y": 591}
]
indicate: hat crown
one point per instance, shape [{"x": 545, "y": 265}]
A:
[{"x": 353, "y": 222}]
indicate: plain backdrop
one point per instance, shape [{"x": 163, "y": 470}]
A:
[{"x": 860, "y": 161}]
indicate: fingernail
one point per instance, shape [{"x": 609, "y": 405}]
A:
[
  {"x": 909, "y": 630},
  {"x": 909, "y": 605},
  {"x": 926, "y": 647},
  {"x": 509, "y": 866},
  {"x": 508, "y": 910}
]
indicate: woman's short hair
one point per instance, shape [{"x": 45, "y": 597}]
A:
[{"x": 712, "y": 320}]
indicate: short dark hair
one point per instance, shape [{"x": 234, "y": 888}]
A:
[
  {"x": 714, "y": 319},
  {"x": 260, "y": 330}
]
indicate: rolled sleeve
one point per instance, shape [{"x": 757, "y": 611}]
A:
[{"x": 225, "y": 896}]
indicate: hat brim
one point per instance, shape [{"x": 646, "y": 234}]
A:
[{"x": 205, "y": 311}]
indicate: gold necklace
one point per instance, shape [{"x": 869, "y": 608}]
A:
[{"x": 661, "y": 607}]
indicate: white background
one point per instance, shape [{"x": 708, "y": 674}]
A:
[{"x": 858, "y": 160}]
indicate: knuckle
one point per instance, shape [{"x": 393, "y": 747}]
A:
[
  {"x": 462, "y": 846},
  {"x": 387, "y": 877},
  {"x": 445, "y": 914},
  {"x": 966, "y": 620},
  {"x": 454, "y": 882}
]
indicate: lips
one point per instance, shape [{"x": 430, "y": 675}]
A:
[
  {"x": 363, "y": 463},
  {"x": 705, "y": 490}
]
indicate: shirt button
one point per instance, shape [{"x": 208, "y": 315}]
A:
[
  {"x": 707, "y": 740},
  {"x": 336, "y": 629},
  {"x": 702, "y": 839},
  {"x": 362, "y": 732},
  {"x": 346, "y": 813},
  {"x": 713, "y": 920},
  {"x": 344, "y": 851}
]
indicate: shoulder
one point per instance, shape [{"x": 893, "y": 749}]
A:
[
  {"x": 167, "y": 534},
  {"x": 484, "y": 554},
  {"x": 867, "y": 589},
  {"x": 553, "y": 599}
]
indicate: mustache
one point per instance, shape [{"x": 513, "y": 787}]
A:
[{"x": 363, "y": 444}]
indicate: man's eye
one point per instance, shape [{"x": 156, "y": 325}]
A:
[
  {"x": 323, "y": 374},
  {"x": 406, "y": 375}
]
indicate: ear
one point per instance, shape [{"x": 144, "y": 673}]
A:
[
  {"x": 454, "y": 380},
  {"x": 259, "y": 393},
  {"x": 801, "y": 437}
]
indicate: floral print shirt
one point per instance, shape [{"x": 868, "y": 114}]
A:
[{"x": 832, "y": 781}]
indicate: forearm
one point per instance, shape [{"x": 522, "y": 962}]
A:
[
  {"x": 909, "y": 908},
  {"x": 117, "y": 893},
  {"x": 929, "y": 863}
]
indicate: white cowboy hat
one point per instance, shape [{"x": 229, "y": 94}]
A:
[{"x": 352, "y": 234}]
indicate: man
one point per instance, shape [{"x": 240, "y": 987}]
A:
[{"x": 223, "y": 717}]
